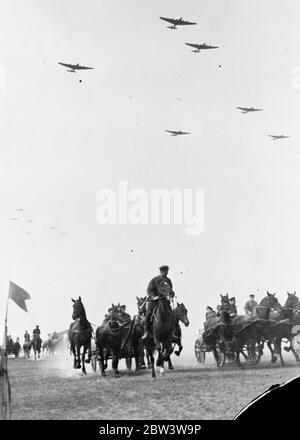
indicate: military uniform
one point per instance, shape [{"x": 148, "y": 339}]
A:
[
  {"x": 158, "y": 286},
  {"x": 232, "y": 309},
  {"x": 250, "y": 307},
  {"x": 27, "y": 336}
]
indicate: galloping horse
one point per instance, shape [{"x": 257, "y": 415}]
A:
[
  {"x": 26, "y": 348},
  {"x": 80, "y": 335},
  {"x": 179, "y": 314},
  {"x": 162, "y": 330},
  {"x": 36, "y": 345}
]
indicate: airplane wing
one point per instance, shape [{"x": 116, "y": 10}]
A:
[
  {"x": 186, "y": 22},
  {"x": 169, "y": 20},
  {"x": 171, "y": 131},
  {"x": 70, "y": 66},
  {"x": 83, "y": 68},
  {"x": 196, "y": 46},
  {"x": 243, "y": 109}
]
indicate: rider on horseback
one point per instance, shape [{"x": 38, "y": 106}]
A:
[
  {"x": 36, "y": 332},
  {"x": 155, "y": 290},
  {"x": 26, "y": 336}
]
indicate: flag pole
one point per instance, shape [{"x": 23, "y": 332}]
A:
[{"x": 4, "y": 381}]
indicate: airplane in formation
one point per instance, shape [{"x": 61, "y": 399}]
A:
[
  {"x": 73, "y": 67},
  {"x": 198, "y": 47},
  {"x": 177, "y": 133},
  {"x": 249, "y": 109},
  {"x": 276, "y": 137},
  {"x": 177, "y": 22}
]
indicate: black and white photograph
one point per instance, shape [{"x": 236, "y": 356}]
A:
[{"x": 150, "y": 213}]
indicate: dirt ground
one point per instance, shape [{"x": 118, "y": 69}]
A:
[{"x": 51, "y": 389}]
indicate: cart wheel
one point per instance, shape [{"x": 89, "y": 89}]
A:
[
  {"x": 94, "y": 363},
  {"x": 219, "y": 357},
  {"x": 253, "y": 355},
  {"x": 200, "y": 355}
]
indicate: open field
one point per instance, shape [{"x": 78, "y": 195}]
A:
[{"x": 51, "y": 389}]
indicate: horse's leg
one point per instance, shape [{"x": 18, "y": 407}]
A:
[
  {"x": 83, "y": 359},
  {"x": 73, "y": 351},
  {"x": 101, "y": 361},
  {"x": 150, "y": 358},
  {"x": 279, "y": 351},
  {"x": 180, "y": 348},
  {"x": 78, "y": 362},
  {"x": 273, "y": 357},
  {"x": 115, "y": 362},
  {"x": 170, "y": 364}
]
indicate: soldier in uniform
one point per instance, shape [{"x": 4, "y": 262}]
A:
[
  {"x": 210, "y": 313},
  {"x": 232, "y": 308},
  {"x": 123, "y": 316},
  {"x": 36, "y": 333},
  {"x": 155, "y": 290},
  {"x": 250, "y": 306},
  {"x": 26, "y": 336}
]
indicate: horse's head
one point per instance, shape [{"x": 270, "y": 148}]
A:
[
  {"x": 78, "y": 309},
  {"x": 181, "y": 312},
  {"x": 225, "y": 304},
  {"x": 141, "y": 303},
  {"x": 271, "y": 300},
  {"x": 292, "y": 301}
]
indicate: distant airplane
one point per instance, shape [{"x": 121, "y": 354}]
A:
[
  {"x": 21, "y": 209},
  {"x": 176, "y": 133},
  {"x": 176, "y": 22},
  {"x": 249, "y": 109},
  {"x": 29, "y": 221},
  {"x": 74, "y": 67},
  {"x": 28, "y": 233},
  {"x": 13, "y": 218},
  {"x": 63, "y": 233},
  {"x": 198, "y": 47},
  {"x": 52, "y": 227},
  {"x": 276, "y": 137}
]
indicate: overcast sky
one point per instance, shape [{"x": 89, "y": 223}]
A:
[{"x": 63, "y": 140}]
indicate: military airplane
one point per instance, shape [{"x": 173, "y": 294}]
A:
[
  {"x": 198, "y": 47},
  {"x": 276, "y": 137},
  {"x": 249, "y": 109},
  {"x": 176, "y": 22},
  {"x": 176, "y": 133},
  {"x": 21, "y": 209},
  {"x": 73, "y": 67}
]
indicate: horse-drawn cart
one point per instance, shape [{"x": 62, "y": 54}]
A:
[
  {"x": 126, "y": 353},
  {"x": 249, "y": 350}
]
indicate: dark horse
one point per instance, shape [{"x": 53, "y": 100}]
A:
[
  {"x": 162, "y": 331},
  {"x": 179, "y": 315},
  {"x": 118, "y": 341},
  {"x": 36, "y": 345},
  {"x": 80, "y": 335}
]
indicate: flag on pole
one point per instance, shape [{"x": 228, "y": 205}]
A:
[{"x": 18, "y": 295}]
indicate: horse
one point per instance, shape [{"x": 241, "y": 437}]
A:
[
  {"x": 118, "y": 340},
  {"x": 80, "y": 335},
  {"x": 179, "y": 314},
  {"x": 162, "y": 332},
  {"x": 267, "y": 303},
  {"x": 26, "y": 348},
  {"x": 36, "y": 345}
]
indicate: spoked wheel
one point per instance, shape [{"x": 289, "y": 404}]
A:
[
  {"x": 220, "y": 356},
  {"x": 253, "y": 354},
  {"x": 200, "y": 355},
  {"x": 231, "y": 357}
]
